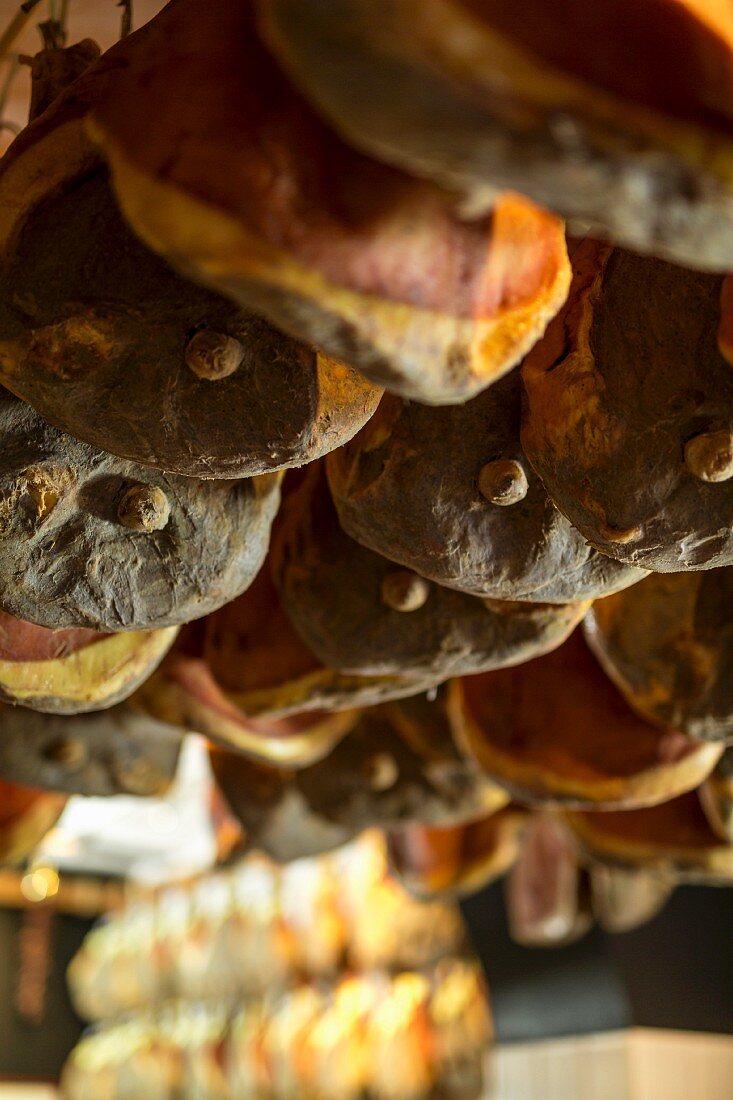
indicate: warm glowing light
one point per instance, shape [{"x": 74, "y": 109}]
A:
[
  {"x": 408, "y": 995},
  {"x": 40, "y": 884}
]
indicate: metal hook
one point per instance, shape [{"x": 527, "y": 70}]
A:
[
  {"x": 6, "y": 124},
  {"x": 126, "y": 6},
  {"x": 16, "y": 26}
]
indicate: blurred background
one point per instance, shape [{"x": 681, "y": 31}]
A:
[{"x": 129, "y": 966}]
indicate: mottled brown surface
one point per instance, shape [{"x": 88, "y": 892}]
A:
[
  {"x": 617, "y": 114},
  {"x": 292, "y": 813},
  {"x": 659, "y": 53},
  {"x": 276, "y": 817},
  {"x": 66, "y": 560},
  {"x": 250, "y": 644},
  {"x": 255, "y": 653},
  {"x": 114, "y": 752},
  {"x": 245, "y": 679},
  {"x": 376, "y": 777},
  {"x": 52, "y": 70},
  {"x": 627, "y": 375},
  {"x": 407, "y": 486},
  {"x": 331, "y": 589},
  {"x": 423, "y": 722},
  {"x": 93, "y": 333},
  {"x": 557, "y": 730},
  {"x": 379, "y": 269},
  {"x": 668, "y": 645},
  {"x": 86, "y": 19}
]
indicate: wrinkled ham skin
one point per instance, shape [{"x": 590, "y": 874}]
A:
[{"x": 674, "y": 56}]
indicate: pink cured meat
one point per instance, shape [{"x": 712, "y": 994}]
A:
[{"x": 23, "y": 641}]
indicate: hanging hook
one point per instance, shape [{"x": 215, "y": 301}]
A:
[
  {"x": 126, "y": 6},
  {"x": 5, "y": 123},
  {"x": 53, "y": 34},
  {"x": 16, "y": 26},
  {"x": 53, "y": 30}
]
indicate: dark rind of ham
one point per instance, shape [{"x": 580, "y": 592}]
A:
[
  {"x": 628, "y": 373},
  {"x": 332, "y": 589},
  {"x": 657, "y": 53},
  {"x": 93, "y": 331},
  {"x": 668, "y": 645},
  {"x": 115, "y": 751},
  {"x": 396, "y": 494},
  {"x": 61, "y": 503}
]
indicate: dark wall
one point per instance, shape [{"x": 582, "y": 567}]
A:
[
  {"x": 36, "y": 1047},
  {"x": 675, "y": 972}
]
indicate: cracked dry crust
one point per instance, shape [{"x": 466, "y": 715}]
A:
[
  {"x": 627, "y": 375},
  {"x": 76, "y": 565},
  {"x": 397, "y": 494},
  {"x": 94, "y": 330},
  {"x": 332, "y": 589},
  {"x": 668, "y": 647}
]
